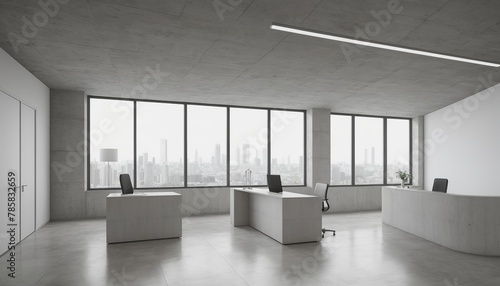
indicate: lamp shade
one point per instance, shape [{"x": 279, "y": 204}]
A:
[{"x": 109, "y": 155}]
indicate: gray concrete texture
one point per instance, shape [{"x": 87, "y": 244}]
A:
[
  {"x": 67, "y": 169},
  {"x": 233, "y": 57}
]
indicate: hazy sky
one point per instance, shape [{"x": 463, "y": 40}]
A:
[
  {"x": 369, "y": 134},
  {"x": 112, "y": 127},
  {"x": 158, "y": 121}
]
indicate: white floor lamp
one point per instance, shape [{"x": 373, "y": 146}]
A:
[{"x": 109, "y": 155}]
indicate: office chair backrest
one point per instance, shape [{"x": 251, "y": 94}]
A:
[
  {"x": 321, "y": 190},
  {"x": 274, "y": 183},
  {"x": 440, "y": 185},
  {"x": 126, "y": 184}
]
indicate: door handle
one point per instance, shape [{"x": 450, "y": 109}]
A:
[{"x": 21, "y": 187}]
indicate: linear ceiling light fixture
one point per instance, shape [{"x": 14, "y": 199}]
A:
[{"x": 333, "y": 37}]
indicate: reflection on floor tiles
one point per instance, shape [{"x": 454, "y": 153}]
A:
[{"x": 212, "y": 252}]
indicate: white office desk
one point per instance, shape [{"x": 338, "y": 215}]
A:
[
  {"x": 143, "y": 216},
  {"x": 286, "y": 217},
  {"x": 464, "y": 223}
]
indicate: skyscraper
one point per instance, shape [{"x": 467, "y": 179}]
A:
[
  {"x": 238, "y": 156},
  {"x": 217, "y": 155},
  {"x": 163, "y": 152},
  {"x": 373, "y": 155},
  {"x": 164, "y": 174},
  {"x": 246, "y": 154},
  {"x": 264, "y": 156},
  {"x": 145, "y": 169}
]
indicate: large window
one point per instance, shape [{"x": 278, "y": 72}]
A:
[
  {"x": 207, "y": 131},
  {"x": 173, "y": 145},
  {"x": 398, "y": 150},
  {"x": 341, "y": 154},
  {"x": 381, "y": 146},
  {"x": 111, "y": 138},
  {"x": 287, "y": 146},
  {"x": 160, "y": 145},
  {"x": 369, "y": 144},
  {"x": 248, "y": 145}
]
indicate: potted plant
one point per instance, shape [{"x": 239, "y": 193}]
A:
[{"x": 404, "y": 176}]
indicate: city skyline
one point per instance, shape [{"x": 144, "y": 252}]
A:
[
  {"x": 165, "y": 172},
  {"x": 368, "y": 172}
]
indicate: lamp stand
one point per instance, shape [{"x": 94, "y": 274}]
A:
[{"x": 109, "y": 179}]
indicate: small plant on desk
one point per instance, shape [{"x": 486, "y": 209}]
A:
[{"x": 404, "y": 176}]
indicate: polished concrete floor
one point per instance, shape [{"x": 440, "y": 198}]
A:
[{"x": 212, "y": 252}]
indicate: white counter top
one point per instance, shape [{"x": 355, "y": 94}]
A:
[
  {"x": 263, "y": 191},
  {"x": 442, "y": 194},
  {"x": 139, "y": 194}
]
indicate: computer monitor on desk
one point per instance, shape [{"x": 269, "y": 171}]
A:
[{"x": 274, "y": 183}]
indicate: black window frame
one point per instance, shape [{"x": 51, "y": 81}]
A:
[
  {"x": 384, "y": 159},
  {"x": 185, "y": 155}
]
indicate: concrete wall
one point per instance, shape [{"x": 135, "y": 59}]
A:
[
  {"x": 418, "y": 151},
  {"x": 70, "y": 200},
  {"x": 462, "y": 144},
  {"x": 318, "y": 146},
  {"x": 67, "y": 149},
  {"x": 16, "y": 81}
]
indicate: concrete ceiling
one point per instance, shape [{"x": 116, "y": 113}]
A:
[{"x": 104, "y": 48}]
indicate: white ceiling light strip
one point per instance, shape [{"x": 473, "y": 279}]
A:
[{"x": 344, "y": 39}]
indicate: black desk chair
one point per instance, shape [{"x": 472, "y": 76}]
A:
[
  {"x": 126, "y": 184},
  {"x": 321, "y": 190},
  {"x": 440, "y": 185}
]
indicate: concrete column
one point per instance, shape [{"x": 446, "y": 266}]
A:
[
  {"x": 67, "y": 149},
  {"x": 418, "y": 151},
  {"x": 318, "y": 146}
]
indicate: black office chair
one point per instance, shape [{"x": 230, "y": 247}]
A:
[
  {"x": 126, "y": 184},
  {"x": 440, "y": 185},
  {"x": 321, "y": 190}
]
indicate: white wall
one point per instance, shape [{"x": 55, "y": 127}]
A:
[
  {"x": 19, "y": 83},
  {"x": 462, "y": 144}
]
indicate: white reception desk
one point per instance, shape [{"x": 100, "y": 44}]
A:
[
  {"x": 286, "y": 217},
  {"x": 143, "y": 216},
  {"x": 469, "y": 224}
]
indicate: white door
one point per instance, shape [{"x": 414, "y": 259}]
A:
[
  {"x": 9, "y": 171},
  {"x": 27, "y": 190}
]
